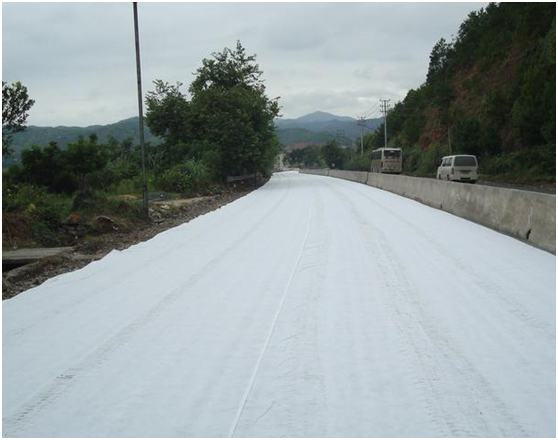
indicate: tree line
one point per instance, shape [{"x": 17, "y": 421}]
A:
[
  {"x": 491, "y": 92},
  {"x": 225, "y": 127}
]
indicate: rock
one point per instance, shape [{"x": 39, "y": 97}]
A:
[{"x": 106, "y": 223}]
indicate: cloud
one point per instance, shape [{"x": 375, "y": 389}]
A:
[{"x": 77, "y": 59}]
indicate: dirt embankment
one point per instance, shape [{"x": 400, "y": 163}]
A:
[{"x": 163, "y": 215}]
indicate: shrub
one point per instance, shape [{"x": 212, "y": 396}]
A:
[
  {"x": 358, "y": 163},
  {"x": 123, "y": 169},
  {"x": 102, "y": 179},
  {"x": 538, "y": 163},
  {"x": 129, "y": 186},
  {"x": 44, "y": 212},
  {"x": 423, "y": 162},
  {"x": 191, "y": 177}
]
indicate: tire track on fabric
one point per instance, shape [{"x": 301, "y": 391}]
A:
[{"x": 66, "y": 379}]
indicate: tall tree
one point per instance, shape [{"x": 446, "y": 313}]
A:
[
  {"x": 15, "y": 105},
  {"x": 233, "y": 112},
  {"x": 228, "y": 123}
]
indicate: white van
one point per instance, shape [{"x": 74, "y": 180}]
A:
[{"x": 462, "y": 168}]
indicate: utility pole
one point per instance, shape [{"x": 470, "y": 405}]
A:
[
  {"x": 449, "y": 138},
  {"x": 361, "y": 122},
  {"x": 340, "y": 135},
  {"x": 384, "y": 105},
  {"x": 145, "y": 207}
]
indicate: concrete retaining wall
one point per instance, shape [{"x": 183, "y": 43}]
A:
[
  {"x": 317, "y": 171},
  {"x": 355, "y": 176},
  {"x": 526, "y": 215}
]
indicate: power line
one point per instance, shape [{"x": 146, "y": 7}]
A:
[{"x": 372, "y": 109}]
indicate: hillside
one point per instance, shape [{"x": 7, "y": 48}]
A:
[
  {"x": 489, "y": 92},
  {"x": 315, "y": 128},
  {"x": 318, "y": 127},
  {"x": 62, "y": 135},
  {"x": 292, "y": 136}
]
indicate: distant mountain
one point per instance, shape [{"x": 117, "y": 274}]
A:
[
  {"x": 291, "y": 136},
  {"x": 318, "y": 127},
  {"x": 322, "y": 117},
  {"x": 314, "y": 128},
  {"x": 62, "y": 135}
]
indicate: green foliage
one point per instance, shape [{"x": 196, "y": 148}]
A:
[
  {"x": 45, "y": 211},
  {"x": 83, "y": 158},
  {"x": 291, "y": 136},
  {"x": 421, "y": 162},
  {"x": 99, "y": 202},
  {"x": 168, "y": 112},
  {"x": 15, "y": 105},
  {"x": 228, "y": 123},
  {"x": 123, "y": 168},
  {"x": 227, "y": 70},
  {"x": 129, "y": 186},
  {"x": 333, "y": 155},
  {"x": 47, "y": 167},
  {"x": 307, "y": 157},
  {"x": 192, "y": 177},
  {"x": 537, "y": 164},
  {"x": 356, "y": 162},
  {"x": 493, "y": 87},
  {"x": 439, "y": 58},
  {"x": 81, "y": 165},
  {"x": 534, "y": 111},
  {"x": 85, "y": 165},
  {"x": 118, "y": 132}
]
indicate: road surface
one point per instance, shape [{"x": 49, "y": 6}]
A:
[{"x": 312, "y": 307}]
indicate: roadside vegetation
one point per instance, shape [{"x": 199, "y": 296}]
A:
[
  {"x": 490, "y": 92},
  {"x": 56, "y": 196},
  {"x": 329, "y": 155}
]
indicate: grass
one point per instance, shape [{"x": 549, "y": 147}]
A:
[{"x": 34, "y": 217}]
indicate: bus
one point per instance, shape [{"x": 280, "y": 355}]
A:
[{"x": 387, "y": 160}]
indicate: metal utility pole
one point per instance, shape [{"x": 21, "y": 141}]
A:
[
  {"x": 361, "y": 122},
  {"x": 384, "y": 105},
  {"x": 145, "y": 208}
]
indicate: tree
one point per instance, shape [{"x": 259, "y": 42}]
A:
[
  {"x": 228, "y": 69},
  {"x": 15, "y": 105},
  {"x": 307, "y": 157},
  {"x": 333, "y": 155},
  {"x": 84, "y": 158},
  {"x": 46, "y": 167},
  {"x": 167, "y": 112},
  {"x": 232, "y": 112},
  {"x": 228, "y": 123},
  {"x": 439, "y": 58}
]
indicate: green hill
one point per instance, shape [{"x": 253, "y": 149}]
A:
[
  {"x": 291, "y": 136},
  {"x": 489, "y": 92},
  {"x": 315, "y": 128},
  {"x": 62, "y": 135},
  {"x": 319, "y": 127}
]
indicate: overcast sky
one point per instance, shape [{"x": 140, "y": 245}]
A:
[{"x": 78, "y": 61}]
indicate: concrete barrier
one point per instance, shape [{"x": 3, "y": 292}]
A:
[
  {"x": 316, "y": 171},
  {"x": 525, "y": 215},
  {"x": 355, "y": 176}
]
